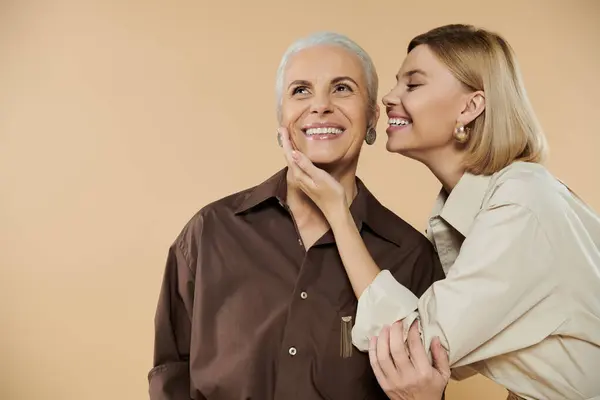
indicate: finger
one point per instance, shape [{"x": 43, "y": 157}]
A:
[
  {"x": 397, "y": 348},
  {"x": 375, "y": 362},
  {"x": 287, "y": 145},
  {"x": 295, "y": 156},
  {"x": 383, "y": 353},
  {"x": 287, "y": 142},
  {"x": 418, "y": 355},
  {"x": 441, "y": 361},
  {"x": 291, "y": 139},
  {"x": 305, "y": 164},
  {"x": 299, "y": 175}
]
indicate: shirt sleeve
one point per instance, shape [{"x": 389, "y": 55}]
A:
[
  {"x": 498, "y": 296},
  {"x": 169, "y": 378}
]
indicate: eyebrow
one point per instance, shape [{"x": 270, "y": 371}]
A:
[
  {"x": 333, "y": 81},
  {"x": 344, "y": 78},
  {"x": 299, "y": 82},
  {"x": 412, "y": 72}
]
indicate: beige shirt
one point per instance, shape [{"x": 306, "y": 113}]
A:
[{"x": 521, "y": 300}]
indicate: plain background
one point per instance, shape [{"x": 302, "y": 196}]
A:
[{"x": 120, "y": 119}]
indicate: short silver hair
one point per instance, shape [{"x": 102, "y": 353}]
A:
[{"x": 333, "y": 39}]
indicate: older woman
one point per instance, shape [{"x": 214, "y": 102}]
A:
[
  {"x": 255, "y": 302},
  {"x": 520, "y": 303}
]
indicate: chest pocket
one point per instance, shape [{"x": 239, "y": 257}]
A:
[
  {"x": 344, "y": 372},
  {"x": 341, "y": 371}
]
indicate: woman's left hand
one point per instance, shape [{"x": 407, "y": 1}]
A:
[
  {"x": 323, "y": 189},
  {"x": 403, "y": 370}
]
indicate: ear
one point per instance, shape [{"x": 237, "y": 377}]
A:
[{"x": 474, "y": 106}]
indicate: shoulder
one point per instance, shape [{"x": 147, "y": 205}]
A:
[
  {"x": 530, "y": 186},
  {"x": 208, "y": 218}
]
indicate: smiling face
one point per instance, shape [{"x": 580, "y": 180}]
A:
[
  {"x": 425, "y": 106},
  {"x": 325, "y": 105}
]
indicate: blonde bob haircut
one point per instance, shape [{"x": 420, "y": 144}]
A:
[{"x": 507, "y": 130}]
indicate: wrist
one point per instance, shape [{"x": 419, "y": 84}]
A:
[{"x": 339, "y": 217}]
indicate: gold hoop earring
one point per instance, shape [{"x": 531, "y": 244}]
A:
[
  {"x": 461, "y": 133},
  {"x": 371, "y": 136}
]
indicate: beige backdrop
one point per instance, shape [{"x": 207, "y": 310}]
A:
[{"x": 120, "y": 119}]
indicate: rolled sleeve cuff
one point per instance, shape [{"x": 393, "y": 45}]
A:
[{"x": 383, "y": 302}]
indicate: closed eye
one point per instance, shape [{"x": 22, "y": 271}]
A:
[{"x": 412, "y": 86}]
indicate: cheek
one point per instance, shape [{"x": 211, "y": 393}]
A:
[
  {"x": 291, "y": 111},
  {"x": 430, "y": 111},
  {"x": 356, "y": 114},
  {"x": 419, "y": 104}
]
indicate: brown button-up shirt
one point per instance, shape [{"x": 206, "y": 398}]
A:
[{"x": 246, "y": 312}]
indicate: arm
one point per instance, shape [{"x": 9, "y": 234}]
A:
[
  {"x": 500, "y": 281},
  {"x": 330, "y": 197},
  {"x": 385, "y": 301},
  {"x": 362, "y": 269},
  {"x": 360, "y": 266},
  {"x": 170, "y": 377}
]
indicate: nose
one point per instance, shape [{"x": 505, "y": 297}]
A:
[
  {"x": 321, "y": 104},
  {"x": 391, "y": 99}
]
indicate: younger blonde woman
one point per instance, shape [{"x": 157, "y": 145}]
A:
[{"x": 521, "y": 300}]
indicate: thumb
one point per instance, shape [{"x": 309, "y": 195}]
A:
[{"x": 441, "y": 361}]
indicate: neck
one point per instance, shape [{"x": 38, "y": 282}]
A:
[
  {"x": 304, "y": 209},
  {"x": 448, "y": 168}
]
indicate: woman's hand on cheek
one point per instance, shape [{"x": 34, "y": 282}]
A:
[{"x": 323, "y": 189}]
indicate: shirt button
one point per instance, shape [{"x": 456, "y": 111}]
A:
[
  {"x": 300, "y": 242},
  {"x": 292, "y": 351},
  {"x": 303, "y": 295}
]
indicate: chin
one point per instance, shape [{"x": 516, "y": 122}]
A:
[
  {"x": 403, "y": 149},
  {"x": 325, "y": 152},
  {"x": 323, "y": 160},
  {"x": 393, "y": 146}
]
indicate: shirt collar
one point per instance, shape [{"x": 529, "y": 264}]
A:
[
  {"x": 273, "y": 188},
  {"x": 365, "y": 208},
  {"x": 462, "y": 205}
]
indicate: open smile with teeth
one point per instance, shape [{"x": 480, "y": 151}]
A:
[
  {"x": 398, "y": 122},
  {"x": 313, "y": 132}
]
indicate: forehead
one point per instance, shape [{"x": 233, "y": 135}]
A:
[
  {"x": 324, "y": 62},
  {"x": 422, "y": 59}
]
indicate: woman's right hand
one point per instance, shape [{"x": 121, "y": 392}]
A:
[
  {"x": 322, "y": 188},
  {"x": 405, "y": 373}
]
